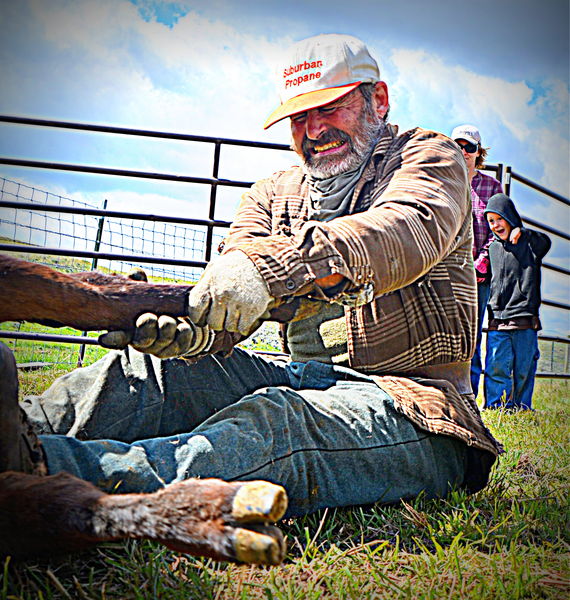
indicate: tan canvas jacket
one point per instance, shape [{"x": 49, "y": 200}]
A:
[{"x": 406, "y": 246}]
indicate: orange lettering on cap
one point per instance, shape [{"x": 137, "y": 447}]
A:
[
  {"x": 302, "y": 79},
  {"x": 304, "y": 66}
]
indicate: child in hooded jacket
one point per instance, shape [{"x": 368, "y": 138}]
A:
[{"x": 515, "y": 257}]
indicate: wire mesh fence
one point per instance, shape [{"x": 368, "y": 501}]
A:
[
  {"x": 84, "y": 232},
  {"x": 76, "y": 232}
]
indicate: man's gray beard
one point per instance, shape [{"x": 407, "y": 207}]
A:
[{"x": 361, "y": 146}]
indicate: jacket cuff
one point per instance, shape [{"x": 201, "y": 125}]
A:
[{"x": 280, "y": 265}]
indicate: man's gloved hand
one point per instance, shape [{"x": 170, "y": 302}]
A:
[
  {"x": 165, "y": 337},
  {"x": 230, "y": 295}
]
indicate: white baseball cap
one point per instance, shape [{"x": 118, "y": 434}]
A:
[
  {"x": 466, "y": 132},
  {"x": 320, "y": 70}
]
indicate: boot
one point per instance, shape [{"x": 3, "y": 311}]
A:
[{"x": 20, "y": 448}]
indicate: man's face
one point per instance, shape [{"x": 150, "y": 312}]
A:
[
  {"x": 470, "y": 152},
  {"x": 335, "y": 138},
  {"x": 499, "y": 226}
]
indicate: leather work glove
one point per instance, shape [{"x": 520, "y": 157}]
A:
[
  {"x": 230, "y": 295},
  {"x": 164, "y": 337}
]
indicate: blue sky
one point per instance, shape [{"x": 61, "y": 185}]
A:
[{"x": 206, "y": 67}]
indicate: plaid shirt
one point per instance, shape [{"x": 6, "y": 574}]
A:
[
  {"x": 406, "y": 242},
  {"x": 482, "y": 188}
]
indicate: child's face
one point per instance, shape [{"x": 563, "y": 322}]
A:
[{"x": 499, "y": 226}]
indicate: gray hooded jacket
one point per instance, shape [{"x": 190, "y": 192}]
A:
[{"x": 515, "y": 268}]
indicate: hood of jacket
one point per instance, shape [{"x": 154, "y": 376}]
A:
[{"x": 502, "y": 205}]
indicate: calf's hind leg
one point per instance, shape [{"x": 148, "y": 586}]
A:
[
  {"x": 46, "y": 515},
  {"x": 61, "y": 513}
]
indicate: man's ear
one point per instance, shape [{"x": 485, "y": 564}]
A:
[{"x": 381, "y": 103}]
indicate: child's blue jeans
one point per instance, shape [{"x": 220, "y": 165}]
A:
[
  {"x": 328, "y": 434},
  {"x": 510, "y": 367}
]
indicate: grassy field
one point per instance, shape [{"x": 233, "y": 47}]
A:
[{"x": 510, "y": 540}]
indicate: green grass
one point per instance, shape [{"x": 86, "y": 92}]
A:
[
  {"x": 510, "y": 540},
  {"x": 53, "y": 354}
]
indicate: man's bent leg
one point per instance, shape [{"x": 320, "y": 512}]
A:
[
  {"x": 129, "y": 396},
  {"x": 341, "y": 446}
]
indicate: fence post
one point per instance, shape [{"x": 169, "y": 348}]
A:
[
  {"x": 212, "y": 211},
  {"x": 94, "y": 262},
  {"x": 500, "y": 172},
  {"x": 507, "y": 186}
]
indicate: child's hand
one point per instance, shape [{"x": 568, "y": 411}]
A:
[
  {"x": 515, "y": 235},
  {"x": 482, "y": 269}
]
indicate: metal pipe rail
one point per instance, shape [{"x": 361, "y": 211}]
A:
[
  {"x": 98, "y": 212},
  {"x": 140, "y": 132},
  {"x": 84, "y": 340},
  {"x": 39, "y": 164},
  {"x": 563, "y": 234},
  {"x": 49, "y": 337},
  {"x": 179, "y": 262},
  {"x": 535, "y": 186}
]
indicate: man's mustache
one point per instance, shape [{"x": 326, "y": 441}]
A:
[{"x": 331, "y": 135}]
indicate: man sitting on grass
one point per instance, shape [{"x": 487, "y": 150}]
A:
[{"x": 365, "y": 251}]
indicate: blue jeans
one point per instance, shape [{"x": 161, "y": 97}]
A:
[
  {"x": 510, "y": 367},
  {"x": 483, "y": 290},
  {"x": 328, "y": 434}
]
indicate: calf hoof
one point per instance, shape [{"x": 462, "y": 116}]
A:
[
  {"x": 259, "y": 501},
  {"x": 202, "y": 517},
  {"x": 42, "y": 516},
  {"x": 259, "y": 545}
]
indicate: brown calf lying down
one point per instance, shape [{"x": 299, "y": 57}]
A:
[{"x": 46, "y": 515}]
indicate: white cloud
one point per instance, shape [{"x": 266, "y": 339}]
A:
[
  {"x": 205, "y": 76},
  {"x": 556, "y": 148},
  {"x": 200, "y": 76},
  {"x": 224, "y": 85},
  {"x": 436, "y": 94}
]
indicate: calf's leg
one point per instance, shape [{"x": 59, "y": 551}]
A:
[
  {"x": 60, "y": 514},
  {"x": 46, "y": 515},
  {"x": 88, "y": 301}
]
